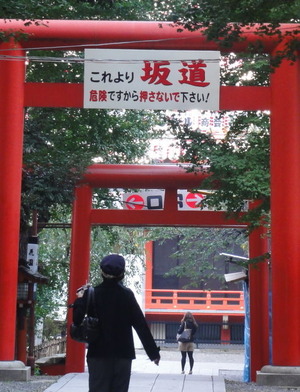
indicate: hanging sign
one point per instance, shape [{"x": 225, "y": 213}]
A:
[
  {"x": 155, "y": 199},
  {"x": 151, "y": 79},
  {"x": 32, "y": 254}
]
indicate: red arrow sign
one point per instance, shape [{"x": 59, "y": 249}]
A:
[
  {"x": 193, "y": 200},
  {"x": 135, "y": 202}
]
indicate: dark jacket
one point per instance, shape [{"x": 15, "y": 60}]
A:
[
  {"x": 188, "y": 324},
  {"x": 118, "y": 312}
]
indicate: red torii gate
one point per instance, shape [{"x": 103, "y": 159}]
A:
[
  {"x": 171, "y": 178},
  {"x": 281, "y": 98}
]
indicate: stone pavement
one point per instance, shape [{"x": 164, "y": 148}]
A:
[{"x": 208, "y": 373}]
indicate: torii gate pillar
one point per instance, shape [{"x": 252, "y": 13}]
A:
[
  {"x": 285, "y": 224},
  {"x": 79, "y": 274},
  {"x": 285, "y": 213},
  {"x": 11, "y": 148}
]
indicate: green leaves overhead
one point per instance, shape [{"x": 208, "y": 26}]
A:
[
  {"x": 223, "y": 22},
  {"x": 60, "y": 144},
  {"x": 239, "y": 164},
  {"x": 78, "y": 9}
]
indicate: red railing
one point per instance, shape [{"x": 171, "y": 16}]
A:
[{"x": 197, "y": 301}]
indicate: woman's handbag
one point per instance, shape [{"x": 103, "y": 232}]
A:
[
  {"x": 185, "y": 336},
  {"x": 88, "y": 331}
]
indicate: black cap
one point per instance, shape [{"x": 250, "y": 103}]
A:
[{"x": 113, "y": 266}]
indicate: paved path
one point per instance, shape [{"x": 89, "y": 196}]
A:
[
  {"x": 208, "y": 374},
  {"x": 78, "y": 382}
]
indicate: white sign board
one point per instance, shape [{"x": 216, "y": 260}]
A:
[
  {"x": 32, "y": 257},
  {"x": 155, "y": 199},
  {"x": 151, "y": 79}
]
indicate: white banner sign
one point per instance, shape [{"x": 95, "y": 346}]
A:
[{"x": 151, "y": 79}]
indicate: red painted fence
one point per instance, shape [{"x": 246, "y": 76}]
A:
[{"x": 197, "y": 301}]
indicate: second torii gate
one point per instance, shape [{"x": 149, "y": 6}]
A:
[{"x": 170, "y": 178}]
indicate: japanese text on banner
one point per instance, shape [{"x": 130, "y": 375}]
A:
[{"x": 139, "y": 79}]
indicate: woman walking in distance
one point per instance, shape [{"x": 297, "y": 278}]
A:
[{"x": 187, "y": 348}]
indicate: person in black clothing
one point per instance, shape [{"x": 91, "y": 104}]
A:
[
  {"x": 188, "y": 322},
  {"x": 109, "y": 358}
]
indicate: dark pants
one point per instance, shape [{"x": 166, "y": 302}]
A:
[
  {"x": 109, "y": 374},
  {"x": 183, "y": 359}
]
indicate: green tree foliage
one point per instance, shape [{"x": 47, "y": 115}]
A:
[
  {"x": 36, "y": 11},
  {"x": 240, "y": 163},
  {"x": 60, "y": 144},
  {"x": 54, "y": 258},
  {"x": 224, "y": 21}
]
